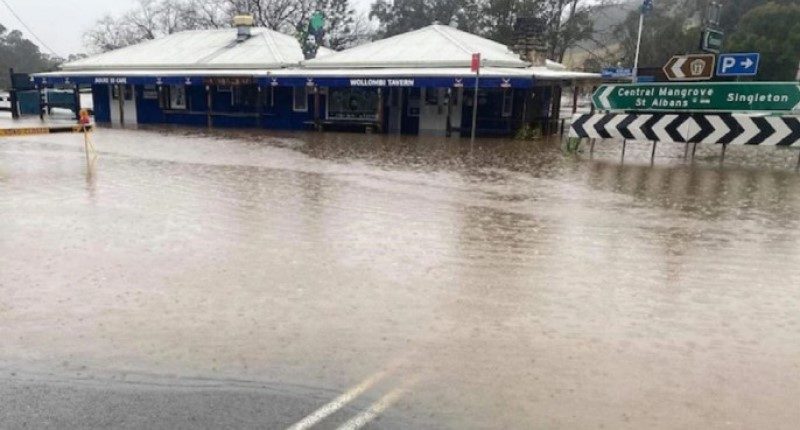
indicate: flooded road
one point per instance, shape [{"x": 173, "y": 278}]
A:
[{"x": 246, "y": 280}]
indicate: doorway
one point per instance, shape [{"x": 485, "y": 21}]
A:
[{"x": 122, "y": 101}]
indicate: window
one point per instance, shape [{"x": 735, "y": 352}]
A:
[
  {"x": 300, "y": 96},
  {"x": 508, "y": 102},
  {"x": 412, "y": 107},
  {"x": 353, "y": 104},
  {"x": 150, "y": 92},
  {"x": 177, "y": 97},
  {"x": 244, "y": 96},
  {"x": 172, "y": 97},
  {"x": 115, "y": 92},
  {"x": 431, "y": 96}
]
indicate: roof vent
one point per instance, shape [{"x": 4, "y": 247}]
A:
[{"x": 243, "y": 24}]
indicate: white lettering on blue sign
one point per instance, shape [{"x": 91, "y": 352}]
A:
[
  {"x": 381, "y": 82},
  {"x": 110, "y": 80}
]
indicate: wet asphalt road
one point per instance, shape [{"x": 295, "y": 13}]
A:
[
  {"x": 245, "y": 280},
  {"x": 54, "y": 403}
]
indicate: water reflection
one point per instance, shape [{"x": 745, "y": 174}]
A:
[{"x": 525, "y": 288}]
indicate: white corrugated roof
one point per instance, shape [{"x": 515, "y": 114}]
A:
[
  {"x": 200, "y": 49},
  {"x": 432, "y": 46},
  {"x": 541, "y": 73}
]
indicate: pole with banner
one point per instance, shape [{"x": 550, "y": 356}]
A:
[
  {"x": 475, "y": 66},
  {"x": 647, "y": 6}
]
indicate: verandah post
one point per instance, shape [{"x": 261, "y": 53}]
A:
[
  {"x": 380, "y": 110},
  {"x": 317, "y": 124},
  {"x": 209, "y": 102},
  {"x": 77, "y": 99},
  {"x": 121, "y": 103}
]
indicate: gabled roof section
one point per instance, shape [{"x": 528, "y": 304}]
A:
[
  {"x": 431, "y": 46},
  {"x": 200, "y": 49}
]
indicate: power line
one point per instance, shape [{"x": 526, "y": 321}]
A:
[{"x": 41, "y": 42}]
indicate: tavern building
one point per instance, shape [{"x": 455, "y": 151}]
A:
[{"x": 418, "y": 82}]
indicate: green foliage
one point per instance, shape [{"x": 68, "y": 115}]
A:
[
  {"x": 21, "y": 54},
  {"x": 572, "y": 145},
  {"x": 565, "y": 21},
  {"x": 673, "y": 27},
  {"x": 774, "y": 31},
  {"x": 528, "y": 132},
  {"x": 666, "y": 32},
  {"x": 402, "y": 16}
]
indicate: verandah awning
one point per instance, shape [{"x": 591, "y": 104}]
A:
[{"x": 431, "y": 77}]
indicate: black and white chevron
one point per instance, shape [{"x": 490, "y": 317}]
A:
[{"x": 728, "y": 129}]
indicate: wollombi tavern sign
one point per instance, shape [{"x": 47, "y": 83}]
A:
[
  {"x": 381, "y": 82},
  {"x": 712, "y": 96}
]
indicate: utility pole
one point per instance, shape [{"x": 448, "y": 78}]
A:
[{"x": 647, "y": 6}]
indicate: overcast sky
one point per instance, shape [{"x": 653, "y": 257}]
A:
[{"x": 61, "y": 23}]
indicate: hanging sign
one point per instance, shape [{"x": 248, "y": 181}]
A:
[{"x": 475, "y": 65}]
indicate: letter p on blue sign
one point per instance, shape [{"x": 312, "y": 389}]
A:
[{"x": 738, "y": 64}]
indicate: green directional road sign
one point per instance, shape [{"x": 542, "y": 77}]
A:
[{"x": 709, "y": 96}]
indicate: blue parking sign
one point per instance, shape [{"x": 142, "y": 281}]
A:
[
  {"x": 616, "y": 72},
  {"x": 738, "y": 64}
]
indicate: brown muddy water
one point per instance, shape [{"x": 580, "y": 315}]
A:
[{"x": 503, "y": 285}]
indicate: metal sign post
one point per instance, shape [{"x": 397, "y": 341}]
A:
[
  {"x": 647, "y": 6},
  {"x": 475, "y": 67}
]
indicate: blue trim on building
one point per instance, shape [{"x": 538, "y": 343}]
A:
[{"x": 302, "y": 80}]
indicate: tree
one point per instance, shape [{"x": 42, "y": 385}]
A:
[
  {"x": 773, "y": 30},
  {"x": 564, "y": 22},
  {"x": 23, "y": 55},
  {"x": 156, "y": 18},
  {"x": 151, "y": 19},
  {"x": 669, "y": 29},
  {"x": 406, "y": 15}
]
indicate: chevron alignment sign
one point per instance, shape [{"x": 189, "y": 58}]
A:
[{"x": 727, "y": 129}]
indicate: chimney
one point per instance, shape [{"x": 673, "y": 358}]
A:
[{"x": 243, "y": 24}]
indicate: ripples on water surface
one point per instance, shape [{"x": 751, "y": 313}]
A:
[{"x": 521, "y": 287}]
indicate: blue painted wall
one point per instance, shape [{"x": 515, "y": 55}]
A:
[
  {"x": 102, "y": 108},
  {"x": 491, "y": 121},
  {"x": 279, "y": 113},
  {"x": 147, "y": 110}
]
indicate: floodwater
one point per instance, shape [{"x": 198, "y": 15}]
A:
[{"x": 500, "y": 285}]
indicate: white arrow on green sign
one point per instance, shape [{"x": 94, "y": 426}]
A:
[{"x": 708, "y": 96}]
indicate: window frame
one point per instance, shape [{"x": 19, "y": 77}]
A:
[
  {"x": 303, "y": 108},
  {"x": 165, "y": 98},
  {"x": 507, "y": 106}
]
